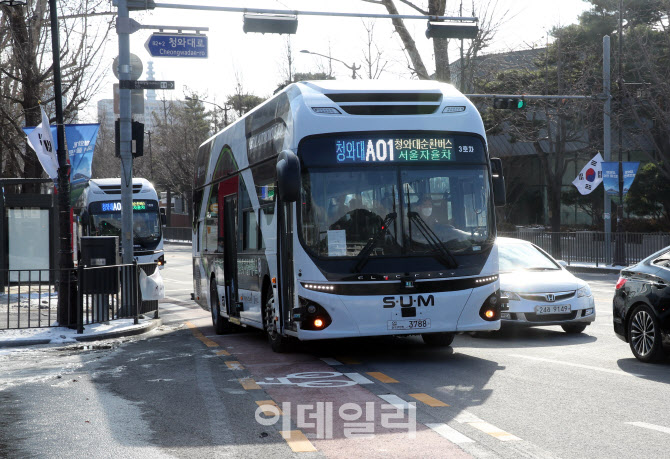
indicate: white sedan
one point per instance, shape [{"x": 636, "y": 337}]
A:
[{"x": 541, "y": 291}]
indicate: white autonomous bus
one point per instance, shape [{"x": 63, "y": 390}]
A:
[
  {"x": 99, "y": 208},
  {"x": 348, "y": 209}
]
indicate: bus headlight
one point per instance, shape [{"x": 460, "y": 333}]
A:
[
  {"x": 160, "y": 261},
  {"x": 311, "y": 315},
  {"x": 490, "y": 310}
]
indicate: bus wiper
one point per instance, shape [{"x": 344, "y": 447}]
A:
[
  {"x": 433, "y": 241},
  {"x": 364, "y": 254}
]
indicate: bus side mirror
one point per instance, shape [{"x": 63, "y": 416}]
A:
[
  {"x": 163, "y": 216},
  {"x": 288, "y": 176},
  {"x": 498, "y": 182},
  {"x": 84, "y": 221}
]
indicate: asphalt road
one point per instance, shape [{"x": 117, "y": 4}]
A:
[{"x": 183, "y": 391}]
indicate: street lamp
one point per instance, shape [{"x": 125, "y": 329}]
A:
[
  {"x": 353, "y": 67},
  {"x": 224, "y": 109}
]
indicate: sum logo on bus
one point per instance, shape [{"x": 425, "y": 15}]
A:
[{"x": 407, "y": 301}]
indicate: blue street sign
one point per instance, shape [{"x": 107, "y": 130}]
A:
[{"x": 177, "y": 45}]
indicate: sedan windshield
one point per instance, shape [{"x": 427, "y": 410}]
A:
[{"x": 519, "y": 256}]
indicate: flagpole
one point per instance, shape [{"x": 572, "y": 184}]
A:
[{"x": 67, "y": 288}]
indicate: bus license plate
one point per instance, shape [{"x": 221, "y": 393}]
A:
[
  {"x": 408, "y": 324},
  {"x": 553, "y": 309}
]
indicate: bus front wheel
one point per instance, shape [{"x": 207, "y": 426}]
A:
[{"x": 278, "y": 343}]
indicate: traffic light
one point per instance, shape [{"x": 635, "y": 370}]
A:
[
  {"x": 509, "y": 103},
  {"x": 137, "y": 132},
  {"x": 270, "y": 23}
]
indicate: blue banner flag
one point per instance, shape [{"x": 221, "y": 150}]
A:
[
  {"x": 80, "y": 140},
  {"x": 629, "y": 171},
  {"x": 611, "y": 178}
]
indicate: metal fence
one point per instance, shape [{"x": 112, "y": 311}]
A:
[
  {"x": 29, "y": 297},
  {"x": 175, "y": 234},
  {"x": 592, "y": 247}
]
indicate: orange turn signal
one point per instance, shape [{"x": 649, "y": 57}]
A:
[
  {"x": 489, "y": 314},
  {"x": 318, "y": 323}
]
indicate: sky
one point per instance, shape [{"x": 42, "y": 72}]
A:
[{"x": 259, "y": 62}]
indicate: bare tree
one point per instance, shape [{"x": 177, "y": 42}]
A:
[
  {"x": 490, "y": 21},
  {"x": 372, "y": 54},
  {"x": 27, "y": 72}
]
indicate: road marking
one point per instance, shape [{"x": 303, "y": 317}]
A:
[
  {"x": 493, "y": 431},
  {"x": 395, "y": 401},
  {"x": 234, "y": 365},
  {"x": 297, "y": 441},
  {"x": 450, "y": 434},
  {"x": 198, "y": 334},
  {"x": 222, "y": 352},
  {"x": 348, "y": 361},
  {"x": 382, "y": 377},
  {"x": 358, "y": 378},
  {"x": 650, "y": 426},
  {"x": 428, "y": 400},
  {"x": 266, "y": 407},
  {"x": 331, "y": 362},
  {"x": 577, "y": 365},
  {"x": 249, "y": 384},
  {"x": 465, "y": 417}
]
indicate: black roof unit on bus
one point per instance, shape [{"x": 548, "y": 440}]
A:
[
  {"x": 116, "y": 189},
  {"x": 387, "y": 103}
]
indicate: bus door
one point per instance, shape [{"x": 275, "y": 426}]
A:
[
  {"x": 285, "y": 257},
  {"x": 229, "y": 230}
]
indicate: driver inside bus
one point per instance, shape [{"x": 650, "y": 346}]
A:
[{"x": 438, "y": 221}]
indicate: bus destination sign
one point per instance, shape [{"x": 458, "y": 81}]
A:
[
  {"x": 416, "y": 149},
  {"x": 115, "y": 206}
]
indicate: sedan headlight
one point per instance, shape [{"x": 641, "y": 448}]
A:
[
  {"x": 584, "y": 291},
  {"x": 511, "y": 295}
]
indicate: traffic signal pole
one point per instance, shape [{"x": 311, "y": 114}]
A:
[{"x": 125, "y": 136}]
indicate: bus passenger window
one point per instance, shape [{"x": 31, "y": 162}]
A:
[
  {"x": 250, "y": 228},
  {"x": 212, "y": 221}
]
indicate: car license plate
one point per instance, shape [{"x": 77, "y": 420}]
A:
[
  {"x": 408, "y": 324},
  {"x": 553, "y": 309}
]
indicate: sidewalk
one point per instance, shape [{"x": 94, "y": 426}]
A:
[{"x": 63, "y": 335}]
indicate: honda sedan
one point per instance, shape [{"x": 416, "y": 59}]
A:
[
  {"x": 642, "y": 306},
  {"x": 541, "y": 291}
]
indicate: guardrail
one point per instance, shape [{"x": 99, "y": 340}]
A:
[
  {"x": 177, "y": 234},
  {"x": 591, "y": 246},
  {"x": 29, "y": 297}
]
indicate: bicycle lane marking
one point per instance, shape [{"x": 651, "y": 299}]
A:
[{"x": 333, "y": 408}]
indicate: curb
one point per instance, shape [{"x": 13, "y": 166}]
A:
[
  {"x": 137, "y": 331},
  {"x": 587, "y": 269},
  {"x": 99, "y": 336},
  {"x": 24, "y": 342}
]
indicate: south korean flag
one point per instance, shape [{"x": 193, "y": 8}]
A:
[{"x": 590, "y": 176}]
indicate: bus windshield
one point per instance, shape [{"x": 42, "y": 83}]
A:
[
  {"x": 105, "y": 220},
  {"x": 395, "y": 209}
]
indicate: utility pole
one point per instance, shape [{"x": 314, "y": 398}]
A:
[
  {"x": 619, "y": 250},
  {"x": 607, "y": 143}
]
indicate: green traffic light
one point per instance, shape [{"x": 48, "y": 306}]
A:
[{"x": 520, "y": 103}]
